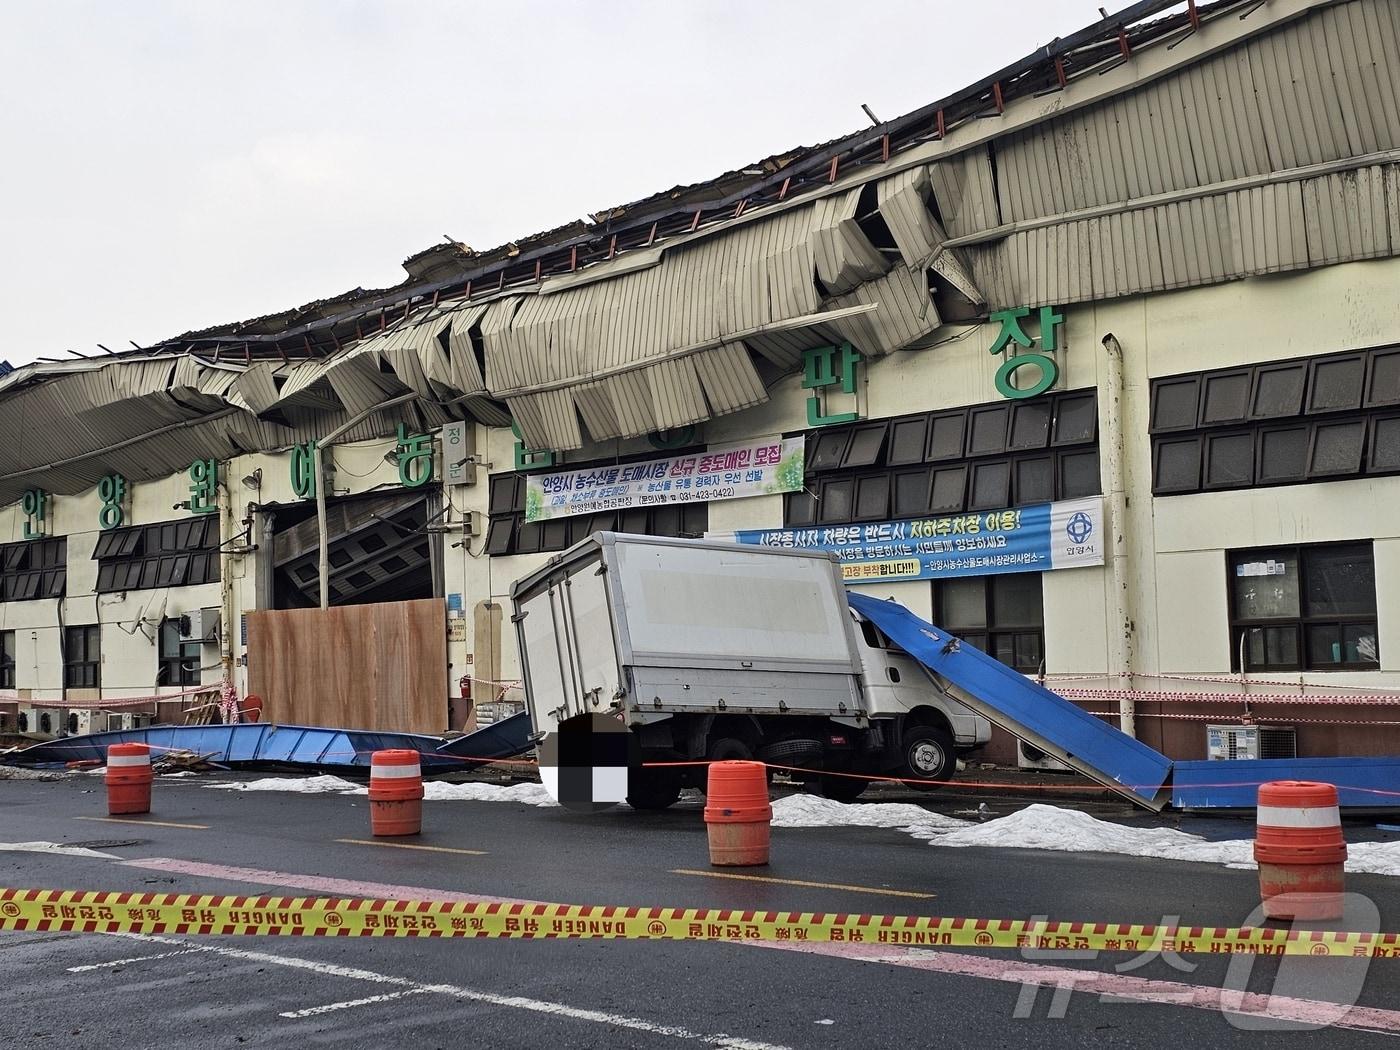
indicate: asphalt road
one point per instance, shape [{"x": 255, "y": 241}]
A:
[{"x": 82, "y": 990}]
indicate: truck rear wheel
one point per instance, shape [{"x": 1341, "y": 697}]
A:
[
  {"x": 928, "y": 755},
  {"x": 727, "y": 749},
  {"x": 653, "y": 789}
]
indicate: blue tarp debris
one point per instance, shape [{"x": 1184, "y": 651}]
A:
[{"x": 1025, "y": 709}]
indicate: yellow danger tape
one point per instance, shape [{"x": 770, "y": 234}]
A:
[{"x": 98, "y": 912}]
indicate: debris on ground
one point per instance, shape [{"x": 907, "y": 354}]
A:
[{"x": 176, "y": 761}]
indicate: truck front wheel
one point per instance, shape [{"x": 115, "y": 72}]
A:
[
  {"x": 928, "y": 755},
  {"x": 654, "y": 789}
]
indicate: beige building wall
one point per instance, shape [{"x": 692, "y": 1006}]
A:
[{"x": 1176, "y": 545}]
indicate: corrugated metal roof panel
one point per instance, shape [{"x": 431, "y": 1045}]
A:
[
  {"x": 1319, "y": 89},
  {"x": 844, "y": 256}
]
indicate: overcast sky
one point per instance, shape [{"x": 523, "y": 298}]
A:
[{"x": 170, "y": 166}]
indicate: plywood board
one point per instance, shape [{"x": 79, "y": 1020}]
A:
[{"x": 381, "y": 666}]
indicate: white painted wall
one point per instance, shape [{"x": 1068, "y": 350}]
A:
[{"x": 1176, "y": 544}]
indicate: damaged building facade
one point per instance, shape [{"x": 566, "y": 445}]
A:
[{"x": 1093, "y": 363}]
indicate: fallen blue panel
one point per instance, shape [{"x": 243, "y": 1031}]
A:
[
  {"x": 256, "y": 743},
  {"x": 1369, "y": 783},
  {"x": 504, "y": 739},
  {"x": 1027, "y": 710}
]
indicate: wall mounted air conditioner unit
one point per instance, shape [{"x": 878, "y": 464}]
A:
[
  {"x": 43, "y": 721},
  {"x": 1225, "y": 743},
  {"x": 199, "y": 625},
  {"x": 81, "y": 723},
  {"x": 1028, "y": 756},
  {"x": 126, "y": 721}
]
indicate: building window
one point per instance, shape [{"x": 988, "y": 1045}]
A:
[
  {"x": 7, "y": 659},
  {"x": 82, "y": 658},
  {"x": 167, "y": 554},
  {"x": 1281, "y": 423},
  {"x": 510, "y": 533},
  {"x": 33, "y": 569},
  {"x": 984, "y": 457},
  {"x": 178, "y": 660},
  {"x": 1304, "y": 608},
  {"x": 1002, "y": 615}
]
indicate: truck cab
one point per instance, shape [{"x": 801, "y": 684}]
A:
[{"x": 918, "y": 728}]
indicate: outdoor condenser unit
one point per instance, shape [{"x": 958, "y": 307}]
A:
[
  {"x": 1028, "y": 756},
  {"x": 199, "y": 625},
  {"x": 1224, "y": 743}
]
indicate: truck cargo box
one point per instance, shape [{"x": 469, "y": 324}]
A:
[{"x": 655, "y": 627}]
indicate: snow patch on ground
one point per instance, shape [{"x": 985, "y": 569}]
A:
[
  {"x": 54, "y": 849},
  {"x": 320, "y": 785},
  {"x": 813, "y": 811},
  {"x": 529, "y": 794},
  {"x": 1375, "y": 858},
  {"x": 1070, "y": 831},
  {"x": 1052, "y": 828}
]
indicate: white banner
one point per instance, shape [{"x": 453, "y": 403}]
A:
[{"x": 732, "y": 472}]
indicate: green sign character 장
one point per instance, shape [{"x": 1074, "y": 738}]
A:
[
  {"x": 825, "y": 366},
  {"x": 1011, "y": 332}
]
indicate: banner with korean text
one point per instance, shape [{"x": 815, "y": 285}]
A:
[
  {"x": 1037, "y": 538},
  {"x": 732, "y": 472}
]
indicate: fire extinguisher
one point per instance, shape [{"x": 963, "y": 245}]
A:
[{"x": 466, "y": 686}]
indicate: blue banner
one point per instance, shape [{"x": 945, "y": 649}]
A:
[{"x": 1038, "y": 538}]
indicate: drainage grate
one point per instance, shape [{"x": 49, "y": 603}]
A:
[{"x": 107, "y": 843}]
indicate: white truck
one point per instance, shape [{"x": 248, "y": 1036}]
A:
[{"x": 713, "y": 650}]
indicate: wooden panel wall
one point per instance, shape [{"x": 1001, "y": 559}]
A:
[{"x": 380, "y": 666}]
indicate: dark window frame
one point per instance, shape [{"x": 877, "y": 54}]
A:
[
  {"x": 998, "y": 631},
  {"x": 173, "y": 667},
  {"x": 34, "y": 569},
  {"x": 82, "y": 657},
  {"x": 1038, "y": 448},
  {"x": 9, "y": 658},
  {"x": 1304, "y": 623},
  {"x": 1364, "y": 407},
  {"x": 177, "y": 553},
  {"x": 508, "y": 533}
]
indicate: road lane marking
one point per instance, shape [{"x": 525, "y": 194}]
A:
[
  {"x": 56, "y": 849},
  {"x": 127, "y": 962},
  {"x": 722, "y": 1040},
  {"x": 1317, "y": 1012},
  {"x": 410, "y": 845},
  {"x": 146, "y": 823},
  {"x": 323, "y": 884},
  {"x": 800, "y": 882},
  {"x": 1163, "y": 993},
  {"x": 369, "y": 1000}
]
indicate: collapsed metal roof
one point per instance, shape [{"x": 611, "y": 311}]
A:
[{"x": 685, "y": 305}]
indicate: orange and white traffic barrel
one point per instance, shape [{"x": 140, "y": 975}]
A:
[
  {"x": 1300, "y": 850},
  {"x": 128, "y": 778},
  {"x": 395, "y": 793},
  {"x": 738, "y": 815}
]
